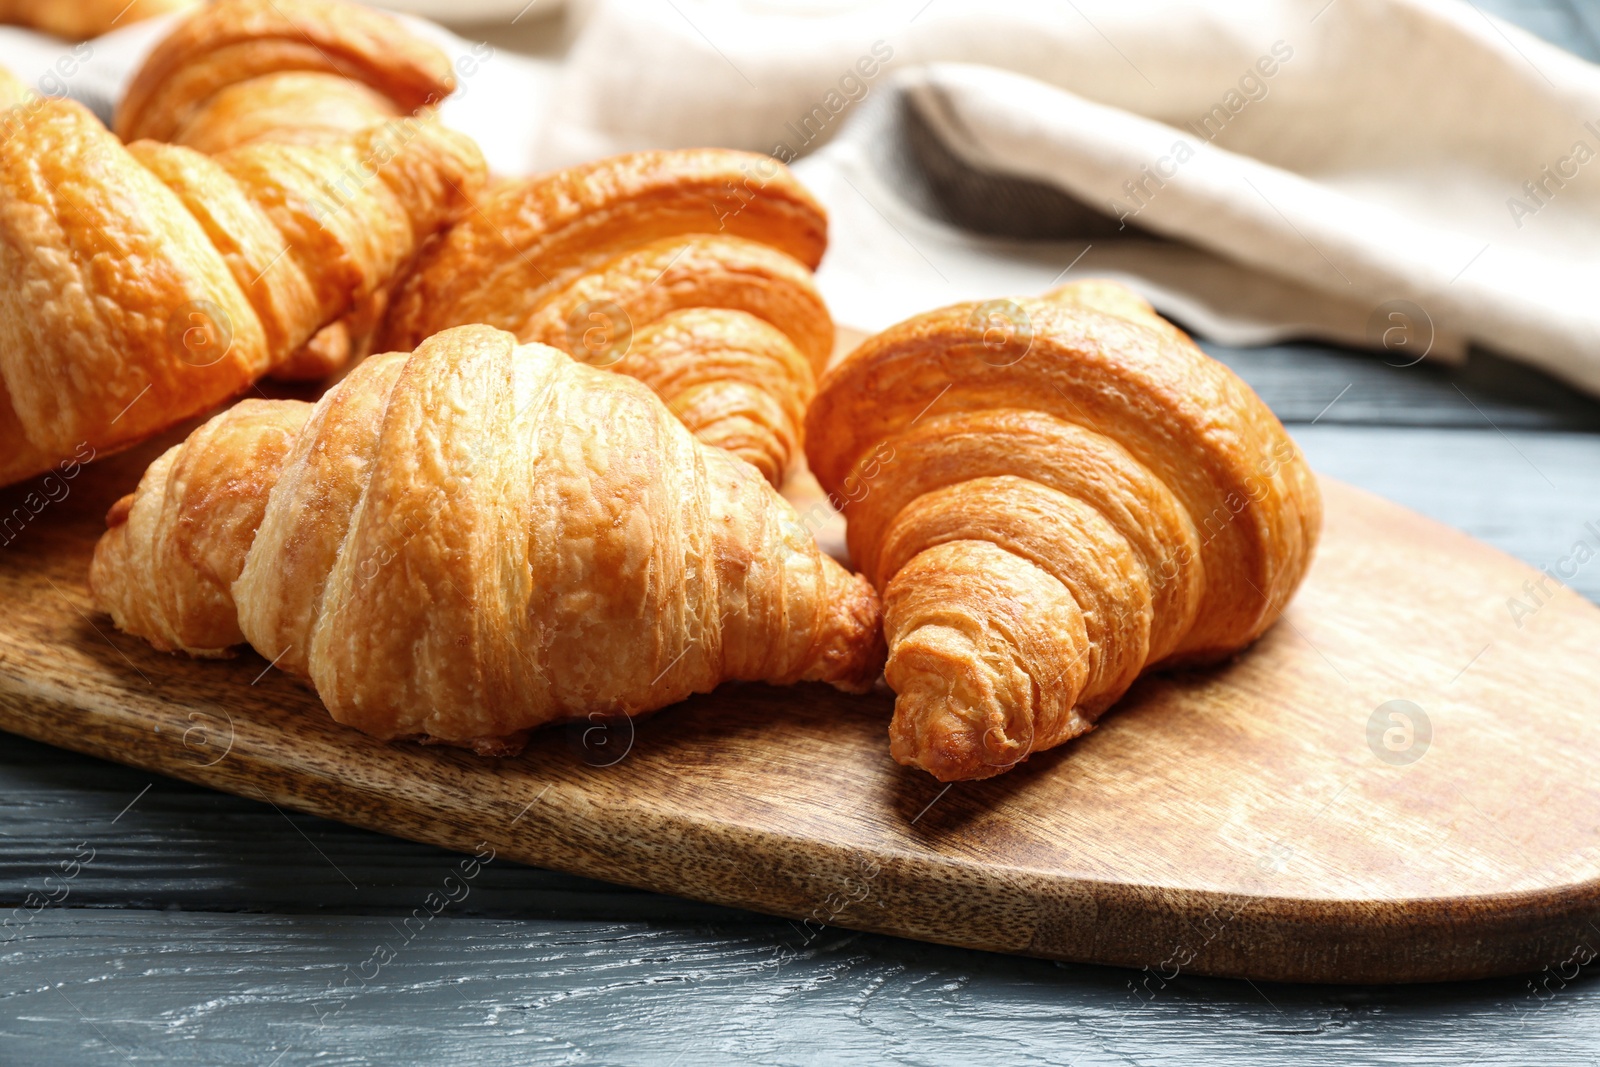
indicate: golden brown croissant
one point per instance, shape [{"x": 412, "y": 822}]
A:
[
  {"x": 689, "y": 270},
  {"x": 1053, "y": 496},
  {"x": 478, "y": 538},
  {"x": 142, "y": 285},
  {"x": 79, "y": 20},
  {"x": 238, "y": 72}
]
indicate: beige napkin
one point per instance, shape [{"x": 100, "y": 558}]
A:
[{"x": 1403, "y": 173}]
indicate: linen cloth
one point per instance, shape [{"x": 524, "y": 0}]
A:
[{"x": 1373, "y": 171}]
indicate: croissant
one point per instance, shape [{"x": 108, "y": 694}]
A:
[
  {"x": 142, "y": 285},
  {"x": 688, "y": 270},
  {"x": 238, "y": 72},
  {"x": 78, "y": 20},
  {"x": 1053, "y": 496},
  {"x": 477, "y": 538}
]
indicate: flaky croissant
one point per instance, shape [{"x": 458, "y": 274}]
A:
[
  {"x": 689, "y": 270},
  {"x": 78, "y": 20},
  {"x": 140, "y": 285},
  {"x": 1053, "y": 496},
  {"x": 472, "y": 540},
  {"x": 238, "y": 72}
]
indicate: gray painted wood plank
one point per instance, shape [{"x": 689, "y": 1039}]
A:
[
  {"x": 1529, "y": 494},
  {"x": 1310, "y": 383},
  {"x": 175, "y": 845},
  {"x": 1572, "y": 24},
  {"x": 178, "y": 988}
]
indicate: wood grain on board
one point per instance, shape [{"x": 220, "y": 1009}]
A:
[{"x": 1269, "y": 819}]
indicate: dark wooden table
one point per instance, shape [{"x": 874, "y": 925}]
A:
[{"x": 213, "y": 930}]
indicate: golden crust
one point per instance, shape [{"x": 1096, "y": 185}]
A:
[
  {"x": 217, "y": 489},
  {"x": 477, "y": 538},
  {"x": 303, "y": 63},
  {"x": 240, "y": 72},
  {"x": 529, "y": 236},
  {"x": 79, "y": 20},
  {"x": 735, "y": 380},
  {"x": 142, "y": 285},
  {"x": 297, "y": 107},
  {"x": 714, "y": 273},
  {"x": 591, "y": 258},
  {"x": 1053, "y": 495}
]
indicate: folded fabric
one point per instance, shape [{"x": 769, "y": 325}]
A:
[
  {"x": 1407, "y": 172},
  {"x": 913, "y": 224}
]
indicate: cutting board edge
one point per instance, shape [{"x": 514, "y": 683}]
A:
[{"x": 1532, "y": 929}]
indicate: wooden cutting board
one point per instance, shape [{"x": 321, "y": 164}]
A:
[{"x": 1277, "y": 818}]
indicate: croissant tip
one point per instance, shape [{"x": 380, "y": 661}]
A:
[
  {"x": 119, "y": 512},
  {"x": 853, "y": 651},
  {"x": 956, "y": 756},
  {"x": 952, "y": 736}
]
